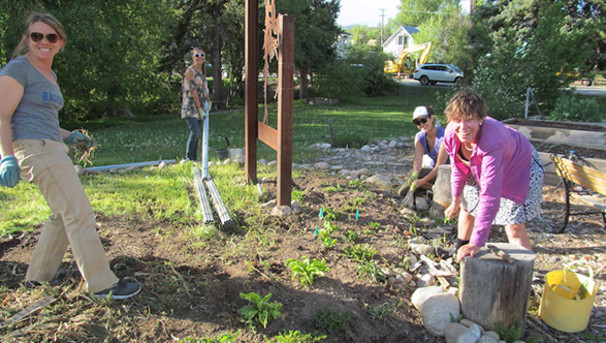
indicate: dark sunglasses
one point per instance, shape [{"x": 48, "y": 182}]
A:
[
  {"x": 200, "y": 55},
  {"x": 50, "y": 37},
  {"x": 419, "y": 121}
]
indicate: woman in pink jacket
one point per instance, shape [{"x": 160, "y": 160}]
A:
[{"x": 497, "y": 175}]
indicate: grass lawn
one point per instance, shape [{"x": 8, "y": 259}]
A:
[{"x": 164, "y": 194}]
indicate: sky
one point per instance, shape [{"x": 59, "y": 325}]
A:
[{"x": 368, "y": 12}]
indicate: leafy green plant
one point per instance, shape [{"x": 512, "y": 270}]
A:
[
  {"x": 333, "y": 189},
  {"x": 371, "y": 269},
  {"x": 359, "y": 253},
  {"x": 295, "y": 337},
  {"x": 357, "y": 184},
  {"x": 383, "y": 313},
  {"x": 350, "y": 236},
  {"x": 223, "y": 338},
  {"x": 260, "y": 310},
  {"x": 327, "y": 241},
  {"x": 512, "y": 333},
  {"x": 572, "y": 108},
  {"x": 296, "y": 195},
  {"x": 330, "y": 214},
  {"x": 330, "y": 227},
  {"x": 375, "y": 226},
  {"x": 306, "y": 270},
  {"x": 331, "y": 321}
]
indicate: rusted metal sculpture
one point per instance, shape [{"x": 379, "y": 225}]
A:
[{"x": 279, "y": 41}]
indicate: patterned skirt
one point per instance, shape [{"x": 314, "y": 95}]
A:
[{"x": 510, "y": 212}]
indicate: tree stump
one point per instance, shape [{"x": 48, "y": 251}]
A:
[
  {"x": 494, "y": 291},
  {"x": 441, "y": 192}
]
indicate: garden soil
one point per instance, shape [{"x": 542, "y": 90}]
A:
[{"x": 192, "y": 283}]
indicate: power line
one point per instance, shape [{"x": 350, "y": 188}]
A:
[{"x": 382, "y": 22}]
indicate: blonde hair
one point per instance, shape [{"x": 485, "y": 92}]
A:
[
  {"x": 34, "y": 17},
  {"x": 465, "y": 105}
]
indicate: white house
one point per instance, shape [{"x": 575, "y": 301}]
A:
[{"x": 401, "y": 39}]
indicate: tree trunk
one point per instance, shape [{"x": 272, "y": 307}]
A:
[
  {"x": 304, "y": 82},
  {"x": 494, "y": 291},
  {"x": 441, "y": 192}
]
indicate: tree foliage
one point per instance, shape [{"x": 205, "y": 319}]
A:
[
  {"x": 110, "y": 59},
  {"x": 316, "y": 32},
  {"x": 522, "y": 44}
]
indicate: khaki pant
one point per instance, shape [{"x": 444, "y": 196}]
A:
[{"x": 46, "y": 164}]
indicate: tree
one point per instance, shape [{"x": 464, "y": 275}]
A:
[
  {"x": 363, "y": 34},
  {"x": 316, "y": 32},
  {"x": 110, "y": 59},
  {"x": 439, "y": 22},
  {"x": 532, "y": 43}
]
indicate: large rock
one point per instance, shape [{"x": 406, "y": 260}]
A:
[
  {"x": 453, "y": 331},
  {"x": 380, "y": 179},
  {"x": 438, "y": 312},
  {"x": 420, "y": 295},
  {"x": 471, "y": 335}
]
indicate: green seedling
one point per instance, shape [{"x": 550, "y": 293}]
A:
[
  {"x": 375, "y": 226},
  {"x": 359, "y": 253},
  {"x": 260, "y": 310},
  {"x": 295, "y": 337},
  {"x": 296, "y": 195},
  {"x": 331, "y": 215},
  {"x": 306, "y": 270},
  {"x": 329, "y": 226},
  {"x": 350, "y": 236},
  {"x": 333, "y": 189},
  {"x": 223, "y": 338},
  {"x": 327, "y": 241},
  {"x": 331, "y": 321},
  {"x": 371, "y": 269},
  {"x": 383, "y": 313},
  {"x": 512, "y": 333}
]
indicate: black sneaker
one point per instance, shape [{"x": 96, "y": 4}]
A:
[
  {"x": 121, "y": 290},
  {"x": 61, "y": 276}
]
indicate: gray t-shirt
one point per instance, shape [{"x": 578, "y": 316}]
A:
[{"x": 37, "y": 115}]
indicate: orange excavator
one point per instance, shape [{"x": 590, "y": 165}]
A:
[{"x": 406, "y": 63}]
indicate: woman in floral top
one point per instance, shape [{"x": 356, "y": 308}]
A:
[{"x": 194, "y": 102}]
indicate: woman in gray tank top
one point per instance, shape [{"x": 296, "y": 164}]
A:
[{"x": 32, "y": 148}]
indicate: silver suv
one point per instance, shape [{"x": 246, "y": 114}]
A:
[{"x": 431, "y": 73}]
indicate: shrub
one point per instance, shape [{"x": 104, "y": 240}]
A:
[{"x": 571, "y": 108}]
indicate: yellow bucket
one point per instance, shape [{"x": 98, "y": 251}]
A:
[{"x": 567, "y": 300}]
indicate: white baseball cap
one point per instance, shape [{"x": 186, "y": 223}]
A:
[{"x": 420, "y": 111}]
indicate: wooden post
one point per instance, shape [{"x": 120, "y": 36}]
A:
[
  {"x": 251, "y": 56},
  {"x": 441, "y": 192},
  {"x": 495, "y": 291},
  {"x": 286, "y": 65}
]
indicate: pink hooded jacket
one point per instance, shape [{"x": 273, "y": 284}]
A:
[{"x": 500, "y": 163}]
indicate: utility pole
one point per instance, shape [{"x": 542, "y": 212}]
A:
[{"x": 382, "y": 23}]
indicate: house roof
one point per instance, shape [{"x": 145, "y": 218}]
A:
[{"x": 410, "y": 30}]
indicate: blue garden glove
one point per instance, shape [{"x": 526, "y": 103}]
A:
[
  {"x": 10, "y": 173},
  {"x": 78, "y": 138}
]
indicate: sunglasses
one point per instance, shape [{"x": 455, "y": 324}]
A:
[
  {"x": 50, "y": 37},
  {"x": 200, "y": 55},
  {"x": 419, "y": 121}
]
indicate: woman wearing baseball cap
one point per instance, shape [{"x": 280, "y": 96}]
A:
[{"x": 429, "y": 151}]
